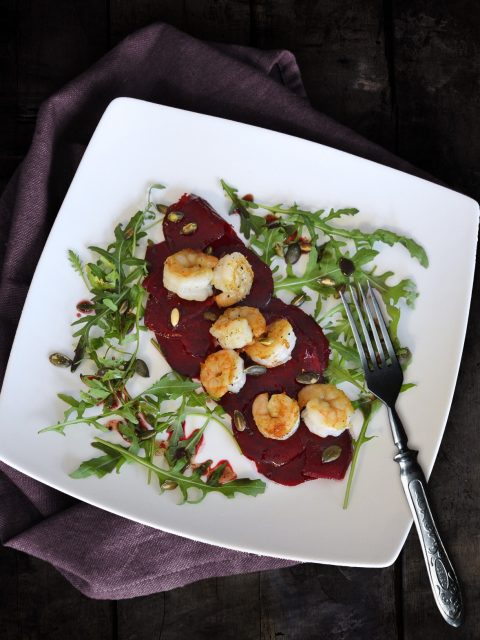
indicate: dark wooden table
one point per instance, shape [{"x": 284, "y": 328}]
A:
[{"x": 406, "y": 74}]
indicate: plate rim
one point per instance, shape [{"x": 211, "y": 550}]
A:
[{"x": 120, "y": 102}]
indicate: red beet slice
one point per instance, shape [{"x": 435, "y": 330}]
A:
[
  {"x": 185, "y": 346},
  {"x": 210, "y": 226}
]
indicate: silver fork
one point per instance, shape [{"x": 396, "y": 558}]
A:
[{"x": 384, "y": 378}]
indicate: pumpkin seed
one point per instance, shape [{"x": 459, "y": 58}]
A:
[
  {"x": 208, "y": 251},
  {"x": 256, "y": 370},
  {"x": 168, "y": 485},
  {"x": 210, "y": 315},
  {"x": 147, "y": 435},
  {"x": 161, "y": 208},
  {"x": 189, "y": 228},
  {"x": 141, "y": 368},
  {"x": 308, "y": 377},
  {"x": 328, "y": 282},
  {"x": 266, "y": 342},
  {"x": 346, "y": 266},
  {"x": 175, "y": 216},
  {"x": 305, "y": 246},
  {"x": 175, "y": 317},
  {"x": 293, "y": 253},
  {"x": 59, "y": 360},
  {"x": 123, "y": 307},
  {"x": 297, "y": 301},
  {"x": 239, "y": 420},
  {"x": 279, "y": 250},
  {"x": 332, "y": 453}
]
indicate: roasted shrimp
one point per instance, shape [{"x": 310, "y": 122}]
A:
[
  {"x": 238, "y": 326},
  {"x": 221, "y": 372},
  {"x": 189, "y": 274},
  {"x": 233, "y": 276},
  {"x": 278, "y": 417},
  {"x": 326, "y": 409},
  {"x": 275, "y": 348}
]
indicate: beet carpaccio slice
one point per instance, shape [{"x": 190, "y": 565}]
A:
[{"x": 186, "y": 345}]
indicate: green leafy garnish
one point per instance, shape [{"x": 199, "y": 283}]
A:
[
  {"x": 335, "y": 257},
  {"x": 108, "y": 337},
  {"x": 151, "y": 424},
  {"x": 186, "y": 483}
]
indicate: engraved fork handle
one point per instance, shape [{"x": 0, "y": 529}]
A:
[{"x": 444, "y": 582}]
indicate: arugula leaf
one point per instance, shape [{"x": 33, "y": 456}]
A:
[
  {"x": 187, "y": 483},
  {"x": 99, "y": 466},
  {"x": 322, "y": 273},
  {"x": 77, "y": 264}
]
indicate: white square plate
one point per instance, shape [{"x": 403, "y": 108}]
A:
[{"x": 137, "y": 143}]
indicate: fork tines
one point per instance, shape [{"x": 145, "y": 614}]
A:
[{"x": 372, "y": 325}]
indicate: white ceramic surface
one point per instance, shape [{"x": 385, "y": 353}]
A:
[{"x": 136, "y": 144}]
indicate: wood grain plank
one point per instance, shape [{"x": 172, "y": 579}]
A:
[
  {"x": 38, "y": 603},
  {"x": 9, "y": 618},
  {"x": 127, "y": 16},
  {"x": 312, "y": 601},
  {"x": 340, "y": 48},
  {"x": 55, "y": 42},
  {"x": 9, "y": 154},
  {"x": 454, "y": 489},
  {"x": 216, "y": 20},
  {"x": 437, "y": 60},
  {"x": 141, "y": 618},
  {"x": 437, "y": 64},
  {"x": 226, "y": 608}
]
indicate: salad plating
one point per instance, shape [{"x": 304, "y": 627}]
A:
[{"x": 211, "y": 305}]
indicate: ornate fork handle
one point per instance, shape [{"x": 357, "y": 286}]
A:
[{"x": 443, "y": 580}]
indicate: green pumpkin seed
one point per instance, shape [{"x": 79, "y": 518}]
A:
[
  {"x": 208, "y": 251},
  {"x": 256, "y": 370},
  {"x": 267, "y": 342},
  {"x": 175, "y": 216},
  {"x": 279, "y": 250},
  {"x": 332, "y": 453},
  {"x": 161, "y": 208},
  {"x": 123, "y": 307},
  {"x": 141, "y": 368},
  {"x": 346, "y": 266},
  {"x": 239, "y": 420},
  {"x": 189, "y": 228},
  {"x": 308, "y": 377},
  {"x": 328, "y": 282},
  {"x": 169, "y": 485},
  {"x": 210, "y": 315},
  {"x": 59, "y": 360},
  {"x": 293, "y": 253},
  {"x": 300, "y": 299}
]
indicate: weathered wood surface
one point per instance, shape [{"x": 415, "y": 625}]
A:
[{"x": 404, "y": 74}]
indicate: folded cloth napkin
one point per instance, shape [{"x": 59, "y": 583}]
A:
[{"x": 101, "y": 554}]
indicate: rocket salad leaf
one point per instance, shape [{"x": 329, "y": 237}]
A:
[{"x": 272, "y": 231}]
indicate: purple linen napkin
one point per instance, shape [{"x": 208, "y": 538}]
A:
[{"x": 100, "y": 553}]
